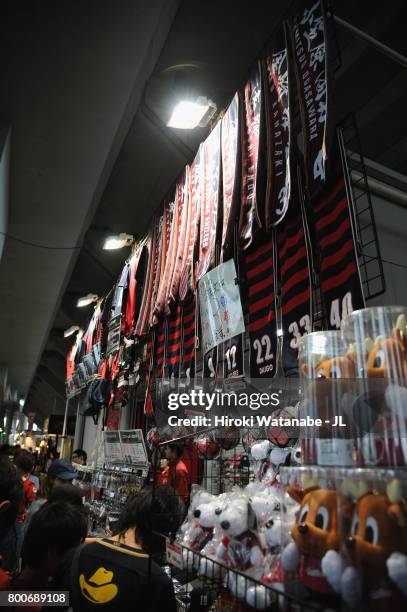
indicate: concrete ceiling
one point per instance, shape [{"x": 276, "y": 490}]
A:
[{"x": 88, "y": 88}]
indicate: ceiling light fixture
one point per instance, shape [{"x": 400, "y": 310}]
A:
[
  {"x": 87, "y": 299},
  {"x": 188, "y": 115},
  {"x": 71, "y": 330},
  {"x": 118, "y": 241}
]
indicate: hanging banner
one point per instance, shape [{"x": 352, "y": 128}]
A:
[
  {"x": 253, "y": 170},
  {"x": 149, "y": 360},
  {"x": 231, "y": 175},
  {"x": 151, "y": 276},
  {"x": 160, "y": 348},
  {"x": 136, "y": 274},
  {"x": 220, "y": 306},
  {"x": 210, "y": 175},
  {"x": 338, "y": 272},
  {"x": 294, "y": 260},
  {"x": 183, "y": 213},
  {"x": 188, "y": 340},
  {"x": 187, "y": 282},
  {"x": 311, "y": 62},
  {"x": 167, "y": 256},
  {"x": 260, "y": 279},
  {"x": 174, "y": 343},
  {"x": 278, "y": 121}
]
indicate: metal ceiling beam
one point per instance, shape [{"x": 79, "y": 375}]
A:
[
  {"x": 392, "y": 54},
  {"x": 51, "y": 380}
]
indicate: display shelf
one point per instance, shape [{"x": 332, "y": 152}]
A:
[{"x": 262, "y": 596}]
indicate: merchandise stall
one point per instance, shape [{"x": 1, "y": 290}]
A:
[{"x": 254, "y": 280}]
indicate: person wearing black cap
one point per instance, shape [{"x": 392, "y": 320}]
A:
[{"x": 61, "y": 471}]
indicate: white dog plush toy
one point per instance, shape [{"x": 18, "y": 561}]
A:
[{"x": 239, "y": 547}]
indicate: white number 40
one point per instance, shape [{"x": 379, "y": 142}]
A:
[{"x": 336, "y": 316}]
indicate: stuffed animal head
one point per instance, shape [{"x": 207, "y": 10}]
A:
[
  {"x": 264, "y": 506},
  {"x": 237, "y": 517},
  {"x": 387, "y": 358},
  {"x": 315, "y": 530},
  {"x": 378, "y": 528},
  {"x": 206, "y": 514},
  {"x": 260, "y": 450},
  {"x": 337, "y": 367}
]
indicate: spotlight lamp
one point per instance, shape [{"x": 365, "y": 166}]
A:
[
  {"x": 118, "y": 241},
  {"x": 71, "y": 330},
  {"x": 91, "y": 298},
  {"x": 188, "y": 115}
]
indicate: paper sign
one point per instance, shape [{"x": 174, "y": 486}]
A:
[
  {"x": 113, "y": 448},
  {"x": 133, "y": 447},
  {"x": 220, "y": 305}
]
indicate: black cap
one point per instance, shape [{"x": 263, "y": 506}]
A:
[{"x": 63, "y": 469}]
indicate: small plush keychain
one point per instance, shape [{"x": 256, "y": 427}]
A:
[{"x": 314, "y": 532}]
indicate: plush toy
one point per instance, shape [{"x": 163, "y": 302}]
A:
[
  {"x": 314, "y": 533},
  {"x": 269, "y": 459},
  {"x": 375, "y": 552},
  {"x": 198, "y": 496},
  {"x": 239, "y": 547},
  {"x": 387, "y": 358},
  {"x": 210, "y": 519},
  {"x": 336, "y": 367}
]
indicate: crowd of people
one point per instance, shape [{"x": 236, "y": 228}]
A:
[{"x": 45, "y": 544}]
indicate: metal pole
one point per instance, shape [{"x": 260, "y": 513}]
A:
[
  {"x": 373, "y": 42},
  {"x": 64, "y": 427}
]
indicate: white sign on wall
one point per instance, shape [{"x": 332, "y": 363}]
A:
[{"x": 220, "y": 305}]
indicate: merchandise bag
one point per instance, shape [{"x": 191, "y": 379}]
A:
[
  {"x": 328, "y": 392},
  {"x": 310, "y": 532},
  {"x": 370, "y": 571},
  {"x": 377, "y": 337}
]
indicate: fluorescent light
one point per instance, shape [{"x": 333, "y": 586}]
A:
[
  {"x": 187, "y": 114},
  {"x": 71, "y": 330},
  {"x": 21, "y": 402},
  {"x": 87, "y": 299},
  {"x": 118, "y": 241}
]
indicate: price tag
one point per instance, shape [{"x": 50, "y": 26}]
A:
[{"x": 174, "y": 554}]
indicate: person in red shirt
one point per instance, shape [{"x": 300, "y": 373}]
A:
[
  {"x": 163, "y": 475},
  {"x": 179, "y": 478},
  {"x": 24, "y": 461}
]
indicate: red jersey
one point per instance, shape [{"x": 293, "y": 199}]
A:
[
  {"x": 179, "y": 479},
  {"x": 163, "y": 476},
  {"x": 30, "y": 493}
]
